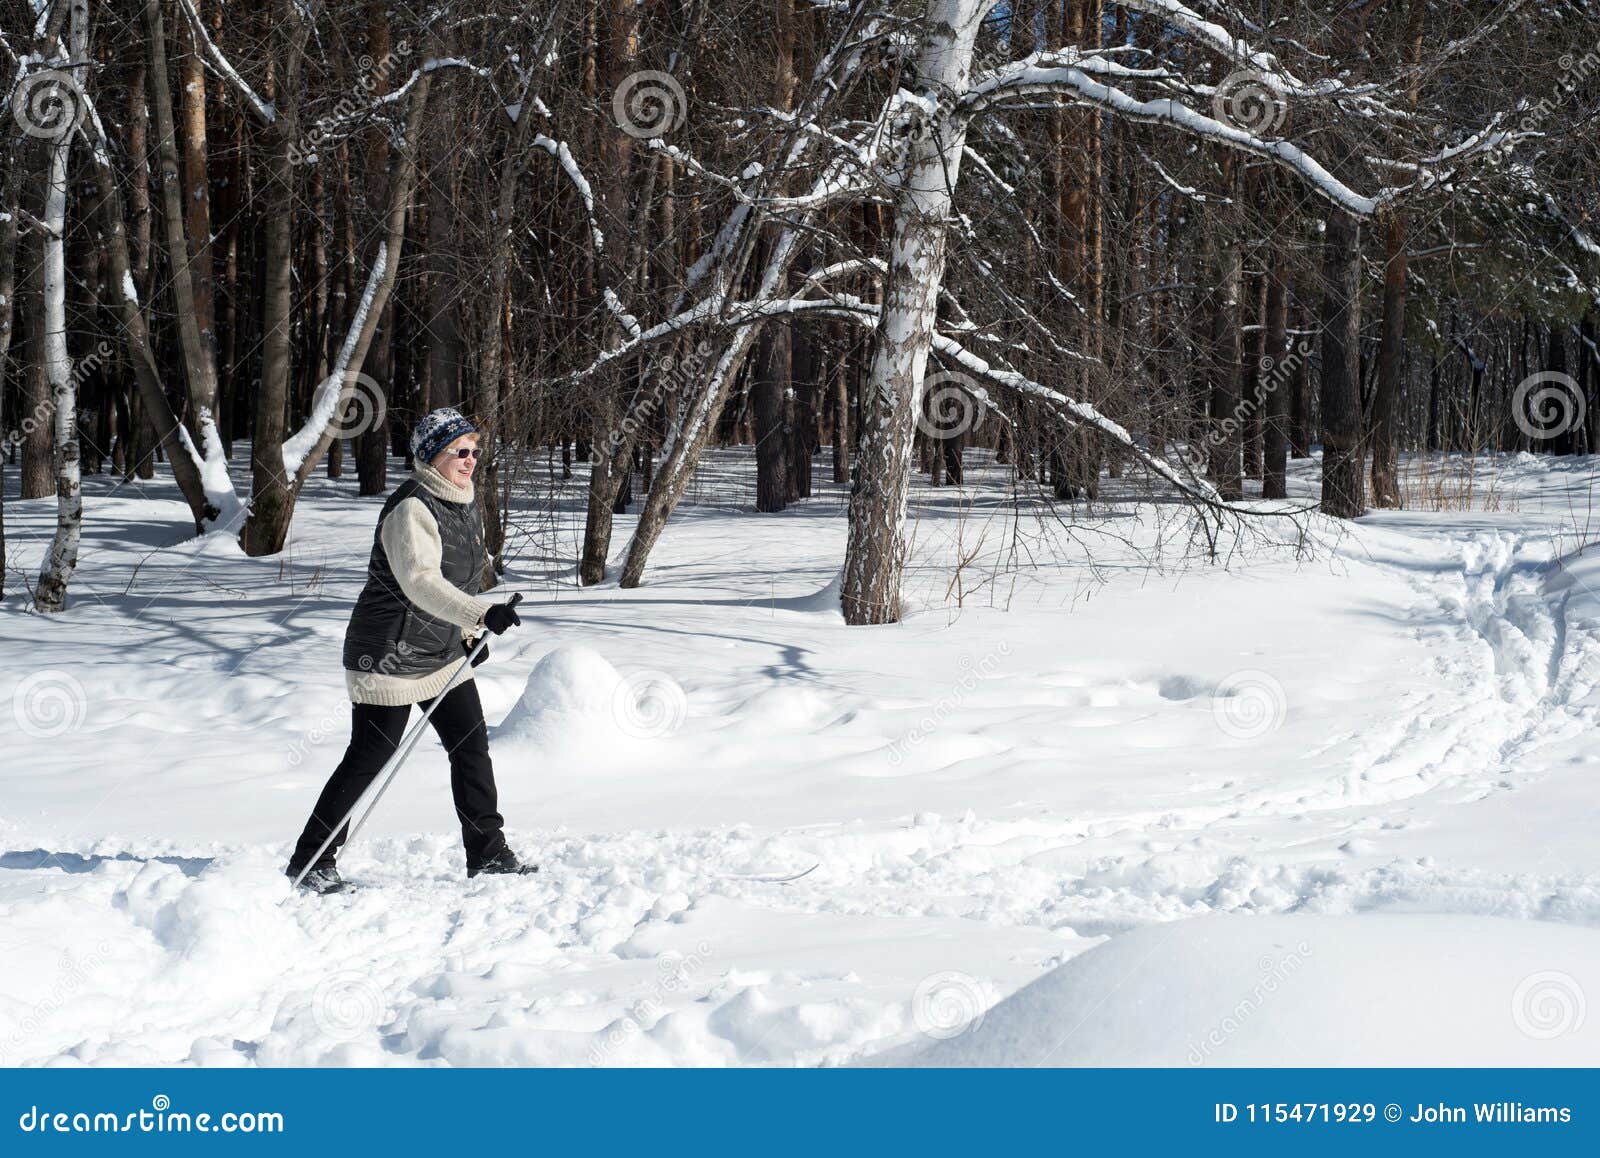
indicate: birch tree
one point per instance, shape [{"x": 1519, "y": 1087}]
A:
[
  {"x": 62, "y": 557},
  {"x": 922, "y": 188}
]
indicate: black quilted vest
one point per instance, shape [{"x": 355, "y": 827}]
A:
[{"x": 389, "y": 634}]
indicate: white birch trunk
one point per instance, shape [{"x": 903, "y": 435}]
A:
[
  {"x": 62, "y": 558},
  {"x": 876, "y": 547}
]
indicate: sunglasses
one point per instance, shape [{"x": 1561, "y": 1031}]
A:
[{"x": 467, "y": 452}]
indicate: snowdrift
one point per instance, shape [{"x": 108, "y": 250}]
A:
[
  {"x": 1374, "y": 990},
  {"x": 1577, "y": 580},
  {"x": 574, "y": 697}
]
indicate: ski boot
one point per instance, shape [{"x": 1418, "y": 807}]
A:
[{"x": 502, "y": 863}]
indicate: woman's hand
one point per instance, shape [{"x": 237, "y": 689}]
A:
[{"x": 502, "y": 615}]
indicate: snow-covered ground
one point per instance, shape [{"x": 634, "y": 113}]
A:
[{"x": 1377, "y": 741}]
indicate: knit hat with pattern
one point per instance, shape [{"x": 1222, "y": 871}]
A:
[{"x": 438, "y": 430}]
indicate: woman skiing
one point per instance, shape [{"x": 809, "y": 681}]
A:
[{"x": 407, "y": 639}]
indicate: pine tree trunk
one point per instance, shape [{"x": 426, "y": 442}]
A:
[
  {"x": 1385, "y": 474},
  {"x": 140, "y": 459},
  {"x": 231, "y": 199},
  {"x": 198, "y": 358},
  {"x": 1343, "y": 493},
  {"x": 1343, "y": 482},
  {"x": 1300, "y": 390},
  {"x": 803, "y": 437},
  {"x": 371, "y": 444},
  {"x": 1564, "y": 438},
  {"x": 1589, "y": 379},
  {"x": 950, "y": 448},
  {"x": 771, "y": 388},
  {"x": 1224, "y": 460},
  {"x": 770, "y": 382},
  {"x": 149, "y": 413},
  {"x": 1254, "y": 399},
  {"x": 621, "y": 48},
  {"x": 271, "y": 497},
  {"x": 1385, "y": 471},
  {"x": 38, "y": 479},
  {"x": 1276, "y": 368},
  {"x": 268, "y": 524},
  {"x": 442, "y": 333},
  {"x": 841, "y": 420},
  {"x": 492, "y": 366},
  {"x": 196, "y": 191}
]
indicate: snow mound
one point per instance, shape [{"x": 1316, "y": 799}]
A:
[
  {"x": 825, "y": 600},
  {"x": 785, "y": 706},
  {"x": 217, "y": 543},
  {"x": 1578, "y": 578},
  {"x": 573, "y": 694},
  {"x": 569, "y": 686},
  {"x": 1373, "y": 990}
]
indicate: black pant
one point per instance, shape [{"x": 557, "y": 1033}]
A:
[{"x": 375, "y": 733}]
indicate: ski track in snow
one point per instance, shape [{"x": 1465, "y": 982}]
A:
[{"x": 1078, "y": 790}]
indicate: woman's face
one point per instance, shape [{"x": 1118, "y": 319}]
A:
[{"x": 450, "y": 463}]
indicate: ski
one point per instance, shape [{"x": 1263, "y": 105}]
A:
[{"x": 763, "y": 879}]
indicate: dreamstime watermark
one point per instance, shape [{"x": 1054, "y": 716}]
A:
[
  {"x": 42, "y": 410},
  {"x": 1248, "y": 705},
  {"x": 1547, "y": 404},
  {"x": 951, "y": 406},
  {"x": 347, "y": 1005},
  {"x": 72, "y": 974},
  {"x": 674, "y": 972},
  {"x": 362, "y": 411},
  {"x": 668, "y": 376},
  {"x": 1548, "y": 1005},
  {"x": 1273, "y": 976},
  {"x": 1251, "y": 101},
  {"x": 366, "y": 682},
  {"x": 949, "y": 1004},
  {"x": 351, "y": 106},
  {"x": 48, "y": 104},
  {"x": 1276, "y": 374},
  {"x": 160, "y": 1118},
  {"x": 48, "y": 704},
  {"x": 1573, "y": 71},
  {"x": 649, "y": 104},
  {"x": 649, "y": 705},
  {"x": 972, "y": 673}
]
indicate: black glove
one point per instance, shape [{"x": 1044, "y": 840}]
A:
[
  {"x": 502, "y": 616},
  {"x": 467, "y": 646}
]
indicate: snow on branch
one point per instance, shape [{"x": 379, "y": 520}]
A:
[
  {"x": 1081, "y": 413},
  {"x": 1074, "y": 84},
  {"x": 1429, "y": 171},
  {"x": 1219, "y": 39},
  {"x": 219, "y": 64},
  {"x": 1070, "y": 409},
  {"x": 1265, "y": 68},
  {"x": 835, "y": 184},
  {"x": 334, "y": 393},
  {"x": 851, "y": 308},
  {"x": 569, "y": 166},
  {"x": 614, "y": 304},
  {"x": 830, "y": 79},
  {"x": 212, "y": 463}
]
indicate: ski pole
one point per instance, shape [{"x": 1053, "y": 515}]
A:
[{"x": 391, "y": 767}]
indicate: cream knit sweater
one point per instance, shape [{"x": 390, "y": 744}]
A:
[{"x": 410, "y": 538}]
